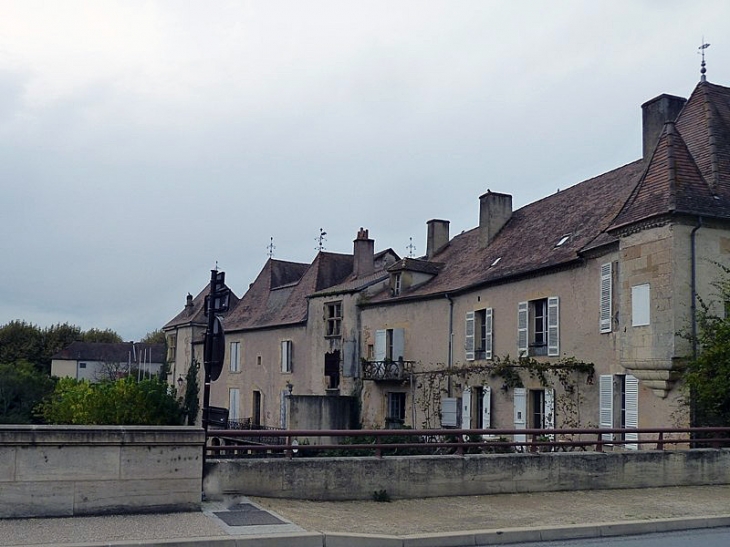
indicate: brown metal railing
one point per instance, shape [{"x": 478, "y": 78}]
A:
[{"x": 380, "y": 443}]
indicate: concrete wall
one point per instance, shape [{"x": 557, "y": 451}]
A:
[
  {"x": 433, "y": 476},
  {"x": 322, "y": 412},
  {"x": 83, "y": 470}
]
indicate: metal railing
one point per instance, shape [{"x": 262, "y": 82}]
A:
[
  {"x": 386, "y": 370},
  {"x": 380, "y": 443}
]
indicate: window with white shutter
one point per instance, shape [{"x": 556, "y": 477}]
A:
[
  {"x": 605, "y": 404},
  {"x": 286, "y": 356},
  {"x": 449, "y": 412},
  {"x": 380, "y": 345},
  {"x": 466, "y": 408},
  {"x": 487, "y": 333},
  {"x": 522, "y": 334},
  {"x": 553, "y": 326},
  {"x": 520, "y": 412},
  {"x": 469, "y": 339},
  {"x": 606, "y": 297},
  {"x": 631, "y": 410},
  {"x": 486, "y": 407},
  {"x": 234, "y": 404}
]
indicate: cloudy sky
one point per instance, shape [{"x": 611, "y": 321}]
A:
[{"x": 142, "y": 142}]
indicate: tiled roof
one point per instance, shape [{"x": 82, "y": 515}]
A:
[
  {"x": 528, "y": 241},
  {"x": 195, "y": 313},
  {"x": 265, "y": 304},
  {"x": 415, "y": 265},
  {"x": 112, "y": 352}
]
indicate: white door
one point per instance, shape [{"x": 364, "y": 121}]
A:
[
  {"x": 520, "y": 403},
  {"x": 466, "y": 408}
]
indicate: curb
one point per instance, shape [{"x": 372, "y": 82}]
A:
[{"x": 445, "y": 539}]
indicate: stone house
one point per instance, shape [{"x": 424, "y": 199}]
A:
[
  {"x": 95, "y": 361},
  {"x": 605, "y": 272}
]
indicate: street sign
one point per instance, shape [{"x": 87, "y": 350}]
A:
[{"x": 215, "y": 350}]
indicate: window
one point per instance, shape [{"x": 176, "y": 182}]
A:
[
  {"x": 479, "y": 334},
  {"x": 235, "y": 356},
  {"x": 286, "y": 355},
  {"x": 538, "y": 327},
  {"x": 397, "y": 284},
  {"x": 640, "y": 305},
  {"x": 534, "y": 409},
  {"x": 234, "y": 404},
  {"x": 333, "y": 316},
  {"x": 396, "y": 409},
  {"x": 258, "y": 360},
  {"x": 82, "y": 365},
  {"x": 171, "y": 344},
  {"x": 619, "y": 405},
  {"x": 389, "y": 345},
  {"x": 476, "y": 407},
  {"x": 606, "y": 297}
]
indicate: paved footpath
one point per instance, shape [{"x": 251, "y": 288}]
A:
[{"x": 432, "y": 522}]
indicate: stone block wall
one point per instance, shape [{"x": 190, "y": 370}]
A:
[{"x": 84, "y": 470}]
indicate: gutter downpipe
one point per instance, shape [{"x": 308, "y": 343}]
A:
[
  {"x": 451, "y": 342},
  {"x": 693, "y": 308}
]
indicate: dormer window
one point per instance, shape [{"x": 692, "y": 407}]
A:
[
  {"x": 563, "y": 240},
  {"x": 397, "y": 283}
]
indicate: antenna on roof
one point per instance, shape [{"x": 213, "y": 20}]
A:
[
  {"x": 271, "y": 247},
  {"x": 216, "y": 265},
  {"x": 320, "y": 240},
  {"x": 702, "y": 49},
  {"x": 410, "y": 247}
]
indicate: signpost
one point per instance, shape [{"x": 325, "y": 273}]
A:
[{"x": 214, "y": 350}]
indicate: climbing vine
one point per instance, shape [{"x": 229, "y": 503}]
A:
[{"x": 568, "y": 373}]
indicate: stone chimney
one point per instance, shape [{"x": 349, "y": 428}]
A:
[
  {"x": 494, "y": 211},
  {"x": 189, "y": 304},
  {"x": 655, "y": 113},
  {"x": 364, "y": 251},
  {"x": 437, "y": 237}
]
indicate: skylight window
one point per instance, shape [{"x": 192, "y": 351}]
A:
[
  {"x": 496, "y": 262},
  {"x": 562, "y": 240}
]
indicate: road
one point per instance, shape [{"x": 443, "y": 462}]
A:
[{"x": 713, "y": 537}]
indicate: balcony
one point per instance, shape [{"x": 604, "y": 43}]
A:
[{"x": 387, "y": 371}]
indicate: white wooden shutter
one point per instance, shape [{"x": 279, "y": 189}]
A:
[
  {"x": 549, "y": 409},
  {"x": 286, "y": 355},
  {"x": 466, "y": 408},
  {"x": 399, "y": 344},
  {"x": 631, "y": 406},
  {"x": 520, "y": 404},
  {"x": 380, "y": 341},
  {"x": 605, "y": 404},
  {"x": 606, "y": 296},
  {"x": 282, "y": 408},
  {"x": 487, "y": 407},
  {"x": 522, "y": 328},
  {"x": 234, "y": 404},
  {"x": 553, "y": 313},
  {"x": 449, "y": 412},
  {"x": 469, "y": 338},
  {"x": 488, "y": 317}
]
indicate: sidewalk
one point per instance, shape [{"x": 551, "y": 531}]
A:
[{"x": 468, "y": 520}]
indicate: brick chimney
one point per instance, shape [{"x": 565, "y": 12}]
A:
[
  {"x": 655, "y": 113},
  {"x": 364, "y": 252},
  {"x": 437, "y": 237},
  {"x": 494, "y": 211}
]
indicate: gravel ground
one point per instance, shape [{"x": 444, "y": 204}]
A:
[{"x": 430, "y": 515}]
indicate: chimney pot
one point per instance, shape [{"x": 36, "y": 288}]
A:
[
  {"x": 495, "y": 210},
  {"x": 363, "y": 254},
  {"x": 655, "y": 113},
  {"x": 437, "y": 237}
]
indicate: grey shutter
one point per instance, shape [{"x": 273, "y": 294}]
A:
[
  {"x": 631, "y": 405},
  {"x": 605, "y": 404},
  {"x": 522, "y": 328},
  {"x": 606, "y": 296},
  {"x": 520, "y": 404},
  {"x": 466, "y": 408},
  {"x": 487, "y": 407},
  {"x": 489, "y": 314},
  {"x": 550, "y": 411},
  {"x": 469, "y": 340},
  {"x": 380, "y": 340},
  {"x": 553, "y": 313},
  {"x": 399, "y": 342},
  {"x": 449, "y": 412},
  {"x": 282, "y": 408}
]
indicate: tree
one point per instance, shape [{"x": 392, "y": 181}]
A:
[
  {"x": 191, "y": 401},
  {"x": 22, "y": 387},
  {"x": 154, "y": 337},
  {"x": 123, "y": 402},
  {"x": 707, "y": 376},
  {"x": 102, "y": 336}
]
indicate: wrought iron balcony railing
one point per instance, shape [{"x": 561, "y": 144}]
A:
[{"x": 388, "y": 370}]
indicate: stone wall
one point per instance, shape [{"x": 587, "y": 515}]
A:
[
  {"x": 432, "y": 476},
  {"x": 83, "y": 470}
]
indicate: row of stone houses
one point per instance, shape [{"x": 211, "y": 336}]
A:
[{"x": 605, "y": 272}]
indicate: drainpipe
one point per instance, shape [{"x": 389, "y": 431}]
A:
[
  {"x": 693, "y": 308},
  {"x": 451, "y": 342},
  {"x": 693, "y": 252}
]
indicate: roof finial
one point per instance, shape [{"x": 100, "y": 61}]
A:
[
  {"x": 702, "y": 49},
  {"x": 271, "y": 247},
  {"x": 320, "y": 240},
  {"x": 410, "y": 247}
]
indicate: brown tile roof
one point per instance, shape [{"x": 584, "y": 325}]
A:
[
  {"x": 195, "y": 314},
  {"x": 267, "y": 304},
  {"x": 112, "y": 352},
  {"x": 415, "y": 265},
  {"x": 528, "y": 241}
]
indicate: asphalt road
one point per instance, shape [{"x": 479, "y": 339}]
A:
[{"x": 713, "y": 537}]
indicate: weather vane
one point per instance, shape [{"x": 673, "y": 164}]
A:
[
  {"x": 320, "y": 240},
  {"x": 410, "y": 247},
  {"x": 702, "y": 49},
  {"x": 271, "y": 248}
]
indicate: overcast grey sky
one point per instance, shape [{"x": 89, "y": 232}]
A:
[{"x": 141, "y": 142}]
